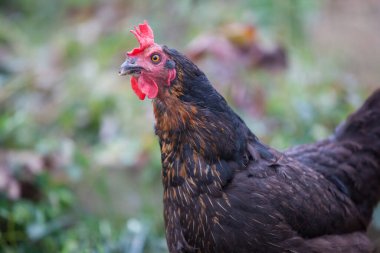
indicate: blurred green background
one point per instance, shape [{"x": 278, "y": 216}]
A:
[{"x": 79, "y": 162}]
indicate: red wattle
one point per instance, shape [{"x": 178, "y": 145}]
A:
[
  {"x": 148, "y": 87},
  {"x": 136, "y": 89}
]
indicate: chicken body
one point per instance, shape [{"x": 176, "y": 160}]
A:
[{"x": 225, "y": 191}]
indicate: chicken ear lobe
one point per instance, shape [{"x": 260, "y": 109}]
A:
[{"x": 171, "y": 76}]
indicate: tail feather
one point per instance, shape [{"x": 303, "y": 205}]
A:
[
  {"x": 364, "y": 124},
  {"x": 350, "y": 159},
  {"x": 360, "y": 134}
]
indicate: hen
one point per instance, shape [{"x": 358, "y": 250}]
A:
[{"x": 225, "y": 191}]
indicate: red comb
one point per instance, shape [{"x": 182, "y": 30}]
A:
[{"x": 145, "y": 37}]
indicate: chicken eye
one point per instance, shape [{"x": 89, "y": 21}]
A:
[{"x": 156, "y": 58}]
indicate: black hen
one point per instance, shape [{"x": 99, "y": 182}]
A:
[{"x": 225, "y": 191}]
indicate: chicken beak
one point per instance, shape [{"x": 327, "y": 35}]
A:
[{"x": 129, "y": 67}]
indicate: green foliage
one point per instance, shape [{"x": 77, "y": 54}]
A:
[{"x": 24, "y": 222}]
